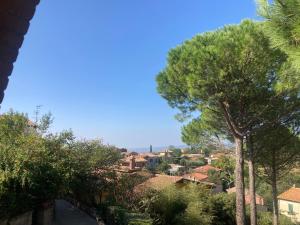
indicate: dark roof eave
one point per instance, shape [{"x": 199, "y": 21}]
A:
[{"x": 15, "y": 16}]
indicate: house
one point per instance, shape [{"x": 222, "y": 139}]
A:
[
  {"x": 152, "y": 159},
  {"x": 175, "y": 169},
  {"x": 218, "y": 155},
  {"x": 260, "y": 203},
  {"x": 211, "y": 159},
  {"x": 205, "y": 169},
  {"x": 158, "y": 182},
  {"x": 134, "y": 162},
  {"x": 200, "y": 178},
  {"x": 140, "y": 161},
  {"x": 105, "y": 194},
  {"x": 196, "y": 177},
  {"x": 166, "y": 154},
  {"x": 289, "y": 203}
]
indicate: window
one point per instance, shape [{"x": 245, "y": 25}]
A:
[{"x": 291, "y": 208}]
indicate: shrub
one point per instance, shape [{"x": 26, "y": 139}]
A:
[
  {"x": 265, "y": 218},
  {"x": 189, "y": 206},
  {"x": 139, "y": 219}
]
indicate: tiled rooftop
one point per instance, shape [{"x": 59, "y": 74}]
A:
[
  {"x": 293, "y": 194},
  {"x": 196, "y": 176},
  {"x": 205, "y": 169},
  {"x": 159, "y": 182}
]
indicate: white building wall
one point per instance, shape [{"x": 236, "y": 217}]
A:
[{"x": 284, "y": 209}]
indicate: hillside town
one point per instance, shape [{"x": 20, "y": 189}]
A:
[
  {"x": 83, "y": 83},
  {"x": 187, "y": 171}
]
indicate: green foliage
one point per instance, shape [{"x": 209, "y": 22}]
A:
[
  {"x": 123, "y": 186},
  {"x": 265, "y": 218},
  {"x": 227, "y": 165},
  {"x": 200, "y": 162},
  {"x": 27, "y": 177},
  {"x": 183, "y": 162},
  {"x": 176, "y": 152},
  {"x": 228, "y": 64},
  {"x": 282, "y": 25},
  {"x": 140, "y": 222},
  {"x": 278, "y": 149},
  {"x": 37, "y": 166},
  {"x": 167, "y": 207},
  {"x": 90, "y": 163},
  {"x": 194, "y": 205},
  {"x": 190, "y": 205},
  {"x": 118, "y": 215},
  {"x": 193, "y": 150},
  {"x": 163, "y": 167},
  {"x": 191, "y": 163},
  {"x": 264, "y": 189},
  {"x": 202, "y": 133},
  {"x": 233, "y": 75},
  {"x": 139, "y": 219}
]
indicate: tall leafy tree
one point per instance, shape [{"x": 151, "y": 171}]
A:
[
  {"x": 278, "y": 149},
  {"x": 27, "y": 174},
  {"x": 283, "y": 25},
  {"x": 226, "y": 164},
  {"x": 208, "y": 131},
  {"x": 230, "y": 72},
  {"x": 282, "y": 115}
]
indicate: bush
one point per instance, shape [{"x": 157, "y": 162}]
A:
[
  {"x": 37, "y": 167},
  {"x": 13, "y": 199},
  {"x": 265, "y": 218},
  {"x": 189, "y": 206},
  {"x": 27, "y": 175},
  {"x": 163, "y": 167},
  {"x": 118, "y": 215},
  {"x": 189, "y": 163},
  {"x": 139, "y": 219}
]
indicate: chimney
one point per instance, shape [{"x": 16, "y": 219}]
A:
[{"x": 132, "y": 163}]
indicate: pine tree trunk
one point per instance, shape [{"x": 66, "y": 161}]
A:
[
  {"x": 253, "y": 211},
  {"x": 239, "y": 182},
  {"x": 274, "y": 196}
]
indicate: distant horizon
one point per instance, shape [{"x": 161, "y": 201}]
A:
[{"x": 154, "y": 148}]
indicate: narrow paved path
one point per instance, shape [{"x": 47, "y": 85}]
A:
[{"x": 67, "y": 214}]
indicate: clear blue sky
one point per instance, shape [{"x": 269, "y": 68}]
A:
[{"x": 93, "y": 64}]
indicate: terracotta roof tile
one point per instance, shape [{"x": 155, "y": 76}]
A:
[
  {"x": 158, "y": 182},
  {"x": 196, "y": 176},
  {"x": 205, "y": 169},
  {"x": 293, "y": 194}
]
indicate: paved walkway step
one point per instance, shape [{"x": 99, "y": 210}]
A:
[{"x": 67, "y": 214}]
